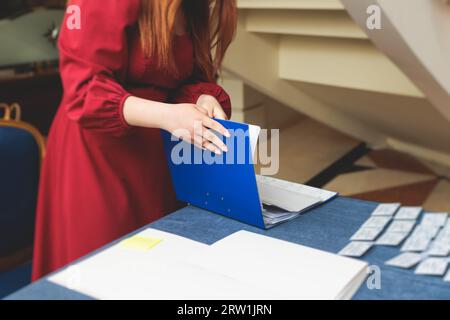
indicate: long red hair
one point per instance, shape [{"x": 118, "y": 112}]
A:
[{"x": 212, "y": 24}]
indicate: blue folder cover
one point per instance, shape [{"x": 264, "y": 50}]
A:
[{"x": 225, "y": 187}]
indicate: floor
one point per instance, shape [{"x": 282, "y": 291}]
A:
[
  {"x": 309, "y": 149},
  {"x": 392, "y": 176}
]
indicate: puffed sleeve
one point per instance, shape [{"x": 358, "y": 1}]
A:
[
  {"x": 196, "y": 86},
  {"x": 93, "y": 63}
]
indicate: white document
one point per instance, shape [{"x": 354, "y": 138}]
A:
[
  {"x": 391, "y": 238},
  {"x": 253, "y": 137},
  {"x": 401, "y": 226},
  {"x": 447, "y": 276},
  {"x": 376, "y": 222},
  {"x": 434, "y": 219},
  {"x": 285, "y": 200},
  {"x": 243, "y": 266},
  {"x": 366, "y": 234},
  {"x": 405, "y": 260},
  {"x": 443, "y": 236},
  {"x": 408, "y": 213},
  {"x": 429, "y": 231},
  {"x": 432, "y": 267},
  {"x": 356, "y": 248},
  {"x": 416, "y": 243},
  {"x": 274, "y": 215},
  {"x": 386, "y": 209},
  {"x": 446, "y": 227},
  {"x": 159, "y": 274},
  {"x": 439, "y": 249},
  {"x": 287, "y": 269}
]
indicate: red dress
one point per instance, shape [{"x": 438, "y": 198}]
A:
[{"x": 102, "y": 178}]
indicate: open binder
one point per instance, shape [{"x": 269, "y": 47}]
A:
[{"x": 227, "y": 184}]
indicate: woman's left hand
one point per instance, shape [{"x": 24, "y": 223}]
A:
[{"x": 211, "y": 107}]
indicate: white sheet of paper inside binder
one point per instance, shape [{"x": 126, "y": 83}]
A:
[{"x": 283, "y": 200}]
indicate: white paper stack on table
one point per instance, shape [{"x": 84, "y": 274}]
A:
[
  {"x": 288, "y": 270},
  {"x": 242, "y": 266}
]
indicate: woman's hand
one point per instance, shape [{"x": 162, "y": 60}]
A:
[
  {"x": 186, "y": 121},
  {"x": 211, "y": 107},
  {"x": 192, "y": 124}
]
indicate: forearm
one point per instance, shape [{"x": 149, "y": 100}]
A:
[
  {"x": 145, "y": 113},
  {"x": 183, "y": 120}
]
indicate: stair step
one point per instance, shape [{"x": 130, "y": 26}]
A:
[
  {"x": 347, "y": 63},
  {"x": 325, "y": 23}
]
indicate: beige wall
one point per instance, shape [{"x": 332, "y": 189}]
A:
[{"x": 336, "y": 76}]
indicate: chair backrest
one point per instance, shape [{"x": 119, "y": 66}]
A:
[{"x": 22, "y": 149}]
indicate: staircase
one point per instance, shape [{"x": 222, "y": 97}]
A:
[{"x": 315, "y": 57}]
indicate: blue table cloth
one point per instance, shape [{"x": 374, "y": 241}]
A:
[{"x": 327, "y": 228}]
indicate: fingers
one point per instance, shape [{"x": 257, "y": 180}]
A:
[
  {"x": 212, "y": 124},
  {"x": 202, "y": 133},
  {"x": 198, "y": 141},
  {"x": 207, "y": 140},
  {"x": 209, "y": 109},
  {"x": 212, "y": 106},
  {"x": 202, "y": 110},
  {"x": 214, "y": 139},
  {"x": 211, "y": 147},
  {"x": 220, "y": 114}
]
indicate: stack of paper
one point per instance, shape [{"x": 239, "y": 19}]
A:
[
  {"x": 286, "y": 269},
  {"x": 273, "y": 215},
  {"x": 159, "y": 265},
  {"x": 283, "y": 200}
]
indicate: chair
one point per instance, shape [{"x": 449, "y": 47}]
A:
[{"x": 22, "y": 149}]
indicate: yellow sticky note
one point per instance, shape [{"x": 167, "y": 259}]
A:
[{"x": 140, "y": 243}]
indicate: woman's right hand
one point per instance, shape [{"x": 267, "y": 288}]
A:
[{"x": 192, "y": 124}]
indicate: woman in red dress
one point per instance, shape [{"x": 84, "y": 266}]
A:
[{"x": 133, "y": 68}]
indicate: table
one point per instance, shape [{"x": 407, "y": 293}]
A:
[{"x": 327, "y": 228}]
